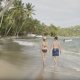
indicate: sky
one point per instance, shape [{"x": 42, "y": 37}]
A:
[{"x": 63, "y": 13}]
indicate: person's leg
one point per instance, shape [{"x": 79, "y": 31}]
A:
[
  {"x": 43, "y": 57},
  {"x": 54, "y": 59}
]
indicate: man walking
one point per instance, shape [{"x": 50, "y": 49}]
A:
[{"x": 55, "y": 51}]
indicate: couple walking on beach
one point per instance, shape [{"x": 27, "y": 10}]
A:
[{"x": 55, "y": 47}]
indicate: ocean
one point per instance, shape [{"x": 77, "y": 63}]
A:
[{"x": 70, "y": 47}]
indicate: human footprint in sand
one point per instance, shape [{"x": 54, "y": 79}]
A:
[
  {"x": 43, "y": 49},
  {"x": 55, "y": 51}
]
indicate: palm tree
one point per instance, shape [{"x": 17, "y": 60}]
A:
[
  {"x": 29, "y": 10},
  {"x": 17, "y": 13}
]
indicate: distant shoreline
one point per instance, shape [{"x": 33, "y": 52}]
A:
[
  {"x": 64, "y": 37},
  {"x": 14, "y": 37},
  {"x": 7, "y": 38},
  {"x": 68, "y": 37}
]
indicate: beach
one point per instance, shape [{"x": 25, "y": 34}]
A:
[{"x": 20, "y": 59}]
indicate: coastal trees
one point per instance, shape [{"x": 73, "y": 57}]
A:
[
  {"x": 3, "y": 10},
  {"x": 7, "y": 22},
  {"x": 71, "y": 31},
  {"x": 17, "y": 13},
  {"x": 13, "y": 15},
  {"x": 18, "y": 20},
  {"x": 53, "y": 30},
  {"x": 16, "y": 17}
]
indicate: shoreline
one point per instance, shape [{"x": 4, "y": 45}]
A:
[
  {"x": 65, "y": 37},
  {"x": 14, "y": 37},
  {"x": 7, "y": 38}
]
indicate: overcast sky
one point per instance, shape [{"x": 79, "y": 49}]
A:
[{"x": 63, "y": 13}]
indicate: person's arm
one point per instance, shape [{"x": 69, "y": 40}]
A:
[
  {"x": 41, "y": 47},
  {"x": 59, "y": 47},
  {"x": 51, "y": 46},
  {"x": 47, "y": 46}
]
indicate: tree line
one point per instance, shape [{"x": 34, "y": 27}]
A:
[
  {"x": 69, "y": 32},
  {"x": 18, "y": 21}
]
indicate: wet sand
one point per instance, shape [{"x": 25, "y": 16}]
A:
[
  {"x": 14, "y": 65},
  {"x": 36, "y": 72}
]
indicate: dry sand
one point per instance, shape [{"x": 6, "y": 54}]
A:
[{"x": 8, "y": 71}]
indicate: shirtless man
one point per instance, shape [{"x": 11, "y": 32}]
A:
[
  {"x": 56, "y": 47},
  {"x": 43, "y": 49}
]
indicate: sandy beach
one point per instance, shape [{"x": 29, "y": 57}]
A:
[
  {"x": 35, "y": 71},
  {"x": 19, "y": 62}
]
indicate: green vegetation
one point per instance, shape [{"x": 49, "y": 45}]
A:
[
  {"x": 71, "y": 31},
  {"x": 18, "y": 21}
]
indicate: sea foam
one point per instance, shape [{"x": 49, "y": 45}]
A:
[
  {"x": 69, "y": 52},
  {"x": 24, "y": 43}
]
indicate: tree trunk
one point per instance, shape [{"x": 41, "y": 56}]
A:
[
  {"x": 1, "y": 20},
  {"x": 3, "y": 14},
  {"x": 17, "y": 35},
  {"x": 28, "y": 16},
  {"x": 9, "y": 28},
  {"x": 20, "y": 28},
  {"x": 17, "y": 28},
  {"x": 6, "y": 29},
  {"x": 14, "y": 33},
  {"x": 6, "y": 7}
]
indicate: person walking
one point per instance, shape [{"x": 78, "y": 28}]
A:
[
  {"x": 43, "y": 49},
  {"x": 55, "y": 49}
]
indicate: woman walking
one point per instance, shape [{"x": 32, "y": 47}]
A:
[
  {"x": 43, "y": 49},
  {"x": 55, "y": 51}
]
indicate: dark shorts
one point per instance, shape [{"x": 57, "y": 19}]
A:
[
  {"x": 44, "y": 50},
  {"x": 55, "y": 52}
]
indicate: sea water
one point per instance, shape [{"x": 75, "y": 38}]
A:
[
  {"x": 71, "y": 47},
  {"x": 69, "y": 58}
]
